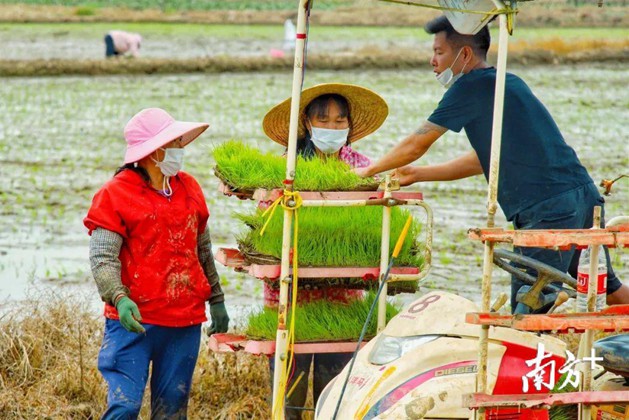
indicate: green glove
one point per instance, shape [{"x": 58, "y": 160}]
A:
[
  {"x": 129, "y": 315},
  {"x": 220, "y": 319}
]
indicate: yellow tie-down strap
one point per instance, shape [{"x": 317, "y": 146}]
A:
[{"x": 297, "y": 202}]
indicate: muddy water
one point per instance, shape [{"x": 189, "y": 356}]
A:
[
  {"x": 27, "y": 42},
  {"x": 61, "y": 138}
]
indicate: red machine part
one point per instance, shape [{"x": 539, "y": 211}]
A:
[{"x": 512, "y": 368}]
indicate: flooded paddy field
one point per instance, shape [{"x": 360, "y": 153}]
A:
[
  {"x": 166, "y": 40},
  {"x": 61, "y": 139},
  {"x": 163, "y": 40}
]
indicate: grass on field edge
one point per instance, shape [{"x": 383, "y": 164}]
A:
[{"x": 544, "y": 52}]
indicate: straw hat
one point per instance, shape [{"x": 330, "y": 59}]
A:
[
  {"x": 152, "y": 128},
  {"x": 367, "y": 111}
]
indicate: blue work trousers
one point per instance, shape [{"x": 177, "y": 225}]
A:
[
  {"x": 110, "y": 48},
  {"x": 124, "y": 360},
  {"x": 573, "y": 209}
]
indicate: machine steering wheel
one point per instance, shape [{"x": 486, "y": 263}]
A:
[{"x": 541, "y": 284}]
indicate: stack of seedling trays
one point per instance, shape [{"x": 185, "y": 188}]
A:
[{"x": 338, "y": 247}]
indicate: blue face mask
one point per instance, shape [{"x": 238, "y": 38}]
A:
[
  {"x": 446, "y": 77},
  {"x": 329, "y": 141}
]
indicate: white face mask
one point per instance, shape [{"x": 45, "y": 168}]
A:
[
  {"x": 446, "y": 77},
  {"x": 329, "y": 140},
  {"x": 172, "y": 162}
]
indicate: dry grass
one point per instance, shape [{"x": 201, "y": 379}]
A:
[
  {"x": 566, "y": 47},
  {"x": 230, "y": 386},
  {"x": 48, "y": 352},
  {"x": 572, "y": 340},
  {"x": 55, "y": 67},
  {"x": 48, "y": 349},
  {"x": 557, "y": 50},
  {"x": 219, "y": 64},
  {"x": 543, "y": 51}
]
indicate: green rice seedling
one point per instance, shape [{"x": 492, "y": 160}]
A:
[
  {"x": 246, "y": 168},
  {"x": 85, "y": 11},
  {"x": 393, "y": 288},
  {"x": 564, "y": 412},
  {"x": 334, "y": 236},
  {"x": 320, "y": 320}
]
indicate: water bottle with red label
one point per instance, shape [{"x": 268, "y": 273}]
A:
[{"x": 583, "y": 280}]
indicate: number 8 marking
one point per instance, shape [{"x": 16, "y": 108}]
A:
[{"x": 423, "y": 304}]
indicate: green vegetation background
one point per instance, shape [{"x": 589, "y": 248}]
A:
[
  {"x": 168, "y": 5},
  {"x": 188, "y": 4}
]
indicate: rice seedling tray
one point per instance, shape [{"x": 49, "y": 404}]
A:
[
  {"x": 228, "y": 343},
  {"x": 230, "y": 191},
  {"x": 329, "y": 236},
  {"x": 233, "y": 258},
  {"x": 321, "y": 326},
  {"x": 265, "y": 195},
  {"x": 365, "y": 192},
  {"x": 243, "y": 168}
]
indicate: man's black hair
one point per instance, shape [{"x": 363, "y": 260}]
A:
[{"x": 479, "y": 42}]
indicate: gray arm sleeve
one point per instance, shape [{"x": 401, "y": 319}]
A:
[
  {"x": 104, "y": 258},
  {"x": 204, "y": 244}
]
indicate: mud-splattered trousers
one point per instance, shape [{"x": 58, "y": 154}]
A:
[{"x": 124, "y": 363}]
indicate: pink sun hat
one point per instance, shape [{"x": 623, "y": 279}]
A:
[{"x": 152, "y": 128}]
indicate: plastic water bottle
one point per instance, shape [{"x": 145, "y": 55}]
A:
[{"x": 583, "y": 280}]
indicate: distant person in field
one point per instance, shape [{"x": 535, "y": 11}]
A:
[
  {"x": 119, "y": 43},
  {"x": 542, "y": 184},
  {"x": 290, "y": 34}
]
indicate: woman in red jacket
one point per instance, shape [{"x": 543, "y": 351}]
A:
[{"x": 151, "y": 257}]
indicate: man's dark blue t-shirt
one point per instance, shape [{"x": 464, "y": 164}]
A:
[{"x": 535, "y": 161}]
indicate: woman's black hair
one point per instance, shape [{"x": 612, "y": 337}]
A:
[
  {"x": 305, "y": 147},
  {"x": 138, "y": 169},
  {"x": 319, "y": 107}
]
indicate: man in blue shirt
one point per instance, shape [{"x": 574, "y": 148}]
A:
[{"x": 542, "y": 184}]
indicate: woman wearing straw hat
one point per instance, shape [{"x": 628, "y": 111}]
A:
[
  {"x": 332, "y": 117},
  {"x": 151, "y": 257}
]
